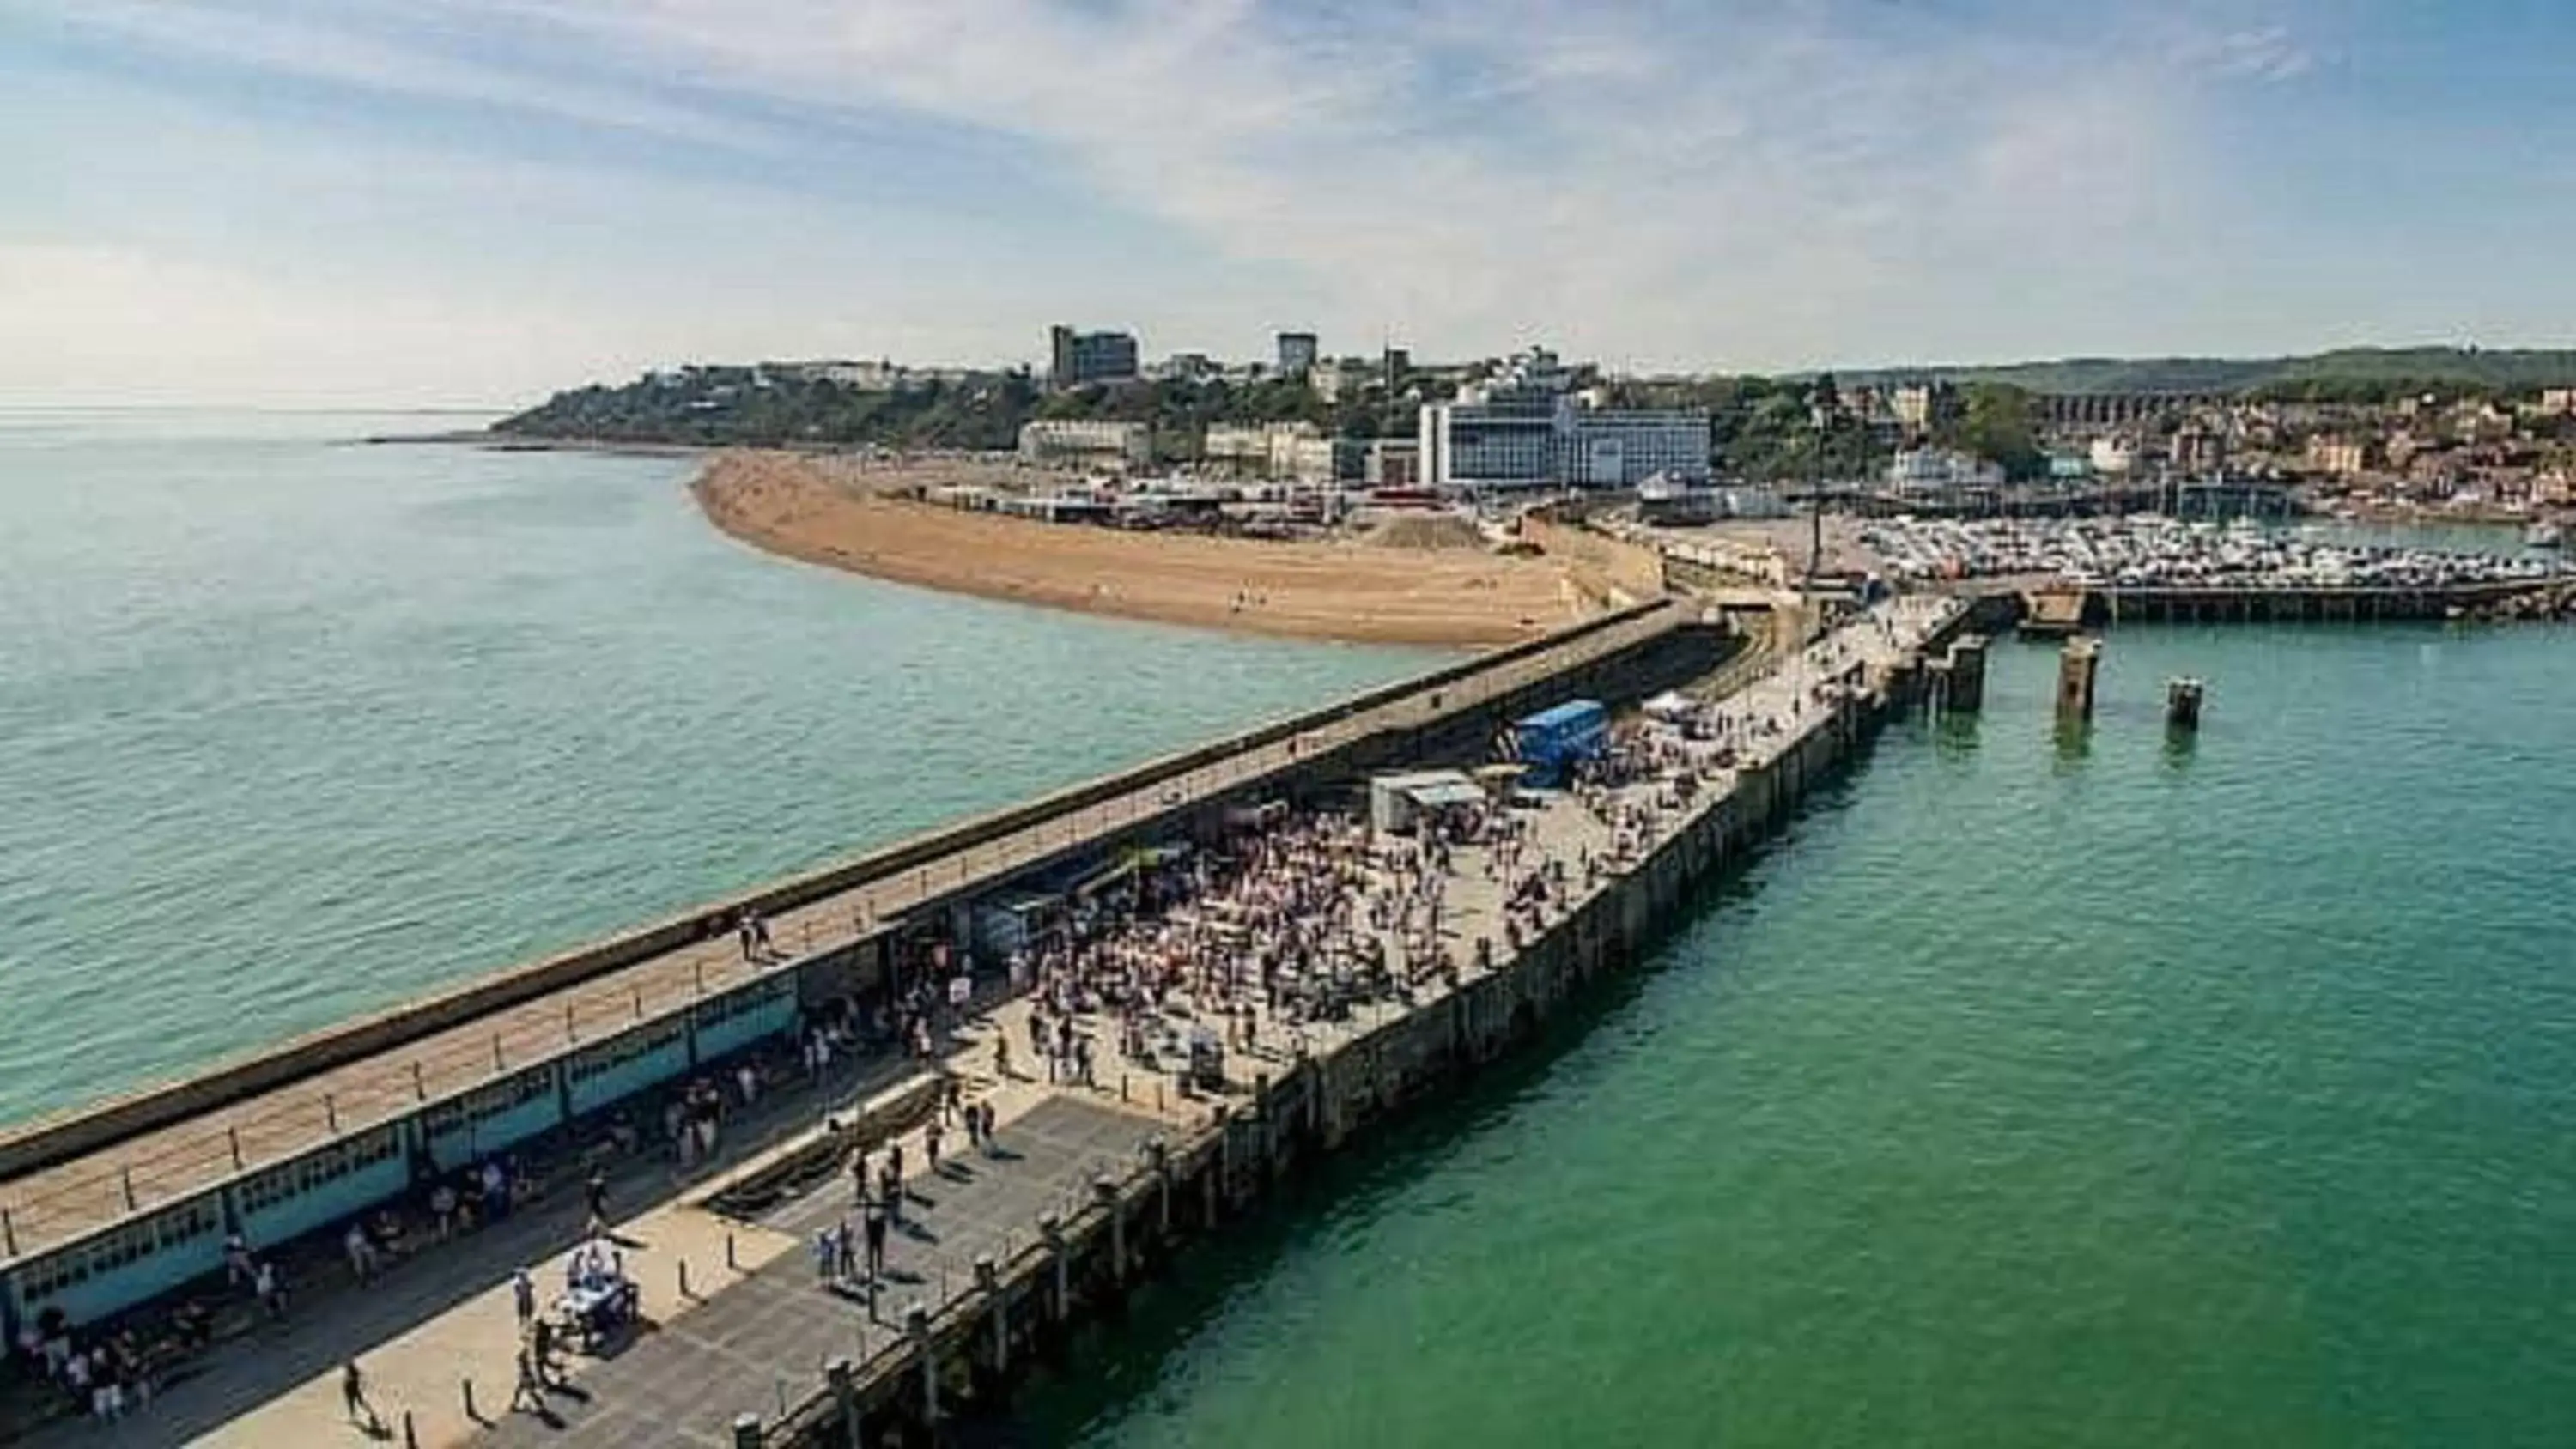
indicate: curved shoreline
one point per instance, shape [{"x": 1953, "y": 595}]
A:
[{"x": 800, "y": 508}]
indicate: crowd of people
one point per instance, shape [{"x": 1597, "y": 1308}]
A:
[{"x": 107, "y": 1379}]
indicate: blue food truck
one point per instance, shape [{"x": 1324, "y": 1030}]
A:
[{"x": 1550, "y": 741}]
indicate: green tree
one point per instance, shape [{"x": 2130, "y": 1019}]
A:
[{"x": 1997, "y": 424}]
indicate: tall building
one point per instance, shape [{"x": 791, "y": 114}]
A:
[
  {"x": 1526, "y": 428},
  {"x": 1074, "y": 358},
  {"x": 1297, "y": 353}
]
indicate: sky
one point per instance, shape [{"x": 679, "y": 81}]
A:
[{"x": 474, "y": 202}]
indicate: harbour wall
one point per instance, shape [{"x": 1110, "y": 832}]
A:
[
  {"x": 49, "y": 1140},
  {"x": 971, "y": 1350}
]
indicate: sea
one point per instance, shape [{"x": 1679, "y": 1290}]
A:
[
  {"x": 2041, "y": 1088},
  {"x": 2046, "y": 1087},
  {"x": 292, "y": 726}
]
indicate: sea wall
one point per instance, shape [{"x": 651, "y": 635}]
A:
[{"x": 45, "y": 1141}]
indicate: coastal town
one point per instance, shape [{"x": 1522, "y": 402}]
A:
[{"x": 1300, "y": 437}]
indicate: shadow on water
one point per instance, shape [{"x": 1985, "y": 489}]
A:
[
  {"x": 1115, "y": 1363},
  {"x": 1954, "y": 736},
  {"x": 2181, "y": 745},
  {"x": 2074, "y": 743}
]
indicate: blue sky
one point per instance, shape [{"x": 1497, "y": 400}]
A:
[{"x": 476, "y": 201}]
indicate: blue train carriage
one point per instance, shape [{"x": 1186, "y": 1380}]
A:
[
  {"x": 157, "y": 1253},
  {"x": 132, "y": 1262},
  {"x": 472, "y": 1126},
  {"x": 738, "y": 1019},
  {"x": 1551, "y": 741}
]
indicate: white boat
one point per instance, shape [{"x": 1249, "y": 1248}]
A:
[{"x": 2544, "y": 534}]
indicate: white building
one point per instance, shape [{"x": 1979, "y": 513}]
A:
[
  {"x": 1266, "y": 450},
  {"x": 2113, "y": 457},
  {"x": 1048, "y": 439},
  {"x": 1526, "y": 428},
  {"x": 1940, "y": 470}
]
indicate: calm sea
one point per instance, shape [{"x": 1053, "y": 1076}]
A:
[
  {"x": 2093, "y": 1091},
  {"x": 2097, "y": 1092},
  {"x": 292, "y": 728}
]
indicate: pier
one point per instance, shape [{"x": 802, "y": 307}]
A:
[
  {"x": 1115, "y": 1180},
  {"x": 128, "y": 1202},
  {"x": 326, "y": 1128}
]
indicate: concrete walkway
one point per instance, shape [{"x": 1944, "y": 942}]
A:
[{"x": 444, "y": 1313}]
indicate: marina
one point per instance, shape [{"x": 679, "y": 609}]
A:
[{"x": 2153, "y": 552}]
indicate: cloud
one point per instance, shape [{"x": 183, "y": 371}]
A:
[
  {"x": 332, "y": 47},
  {"x": 1671, "y": 181},
  {"x": 2263, "y": 53},
  {"x": 1660, "y": 182}
]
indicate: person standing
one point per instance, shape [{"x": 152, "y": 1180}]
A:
[
  {"x": 523, "y": 1295},
  {"x": 876, "y": 1231}
]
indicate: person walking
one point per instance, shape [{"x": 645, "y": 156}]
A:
[
  {"x": 353, "y": 1397},
  {"x": 541, "y": 1351},
  {"x": 523, "y": 1295},
  {"x": 594, "y": 1196},
  {"x": 930, "y": 1140},
  {"x": 527, "y": 1392}
]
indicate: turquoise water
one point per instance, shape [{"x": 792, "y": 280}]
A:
[
  {"x": 290, "y": 729},
  {"x": 2031, "y": 1092}
]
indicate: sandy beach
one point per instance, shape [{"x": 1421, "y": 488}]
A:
[{"x": 837, "y": 513}]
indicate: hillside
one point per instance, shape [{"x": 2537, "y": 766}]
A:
[
  {"x": 2357, "y": 371},
  {"x": 747, "y": 406}
]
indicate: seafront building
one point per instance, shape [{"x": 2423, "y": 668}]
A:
[
  {"x": 1917, "y": 471},
  {"x": 1052, "y": 440},
  {"x": 1529, "y": 427}
]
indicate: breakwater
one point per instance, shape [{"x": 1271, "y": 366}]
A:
[
  {"x": 117, "y": 1205},
  {"x": 965, "y": 1345}
]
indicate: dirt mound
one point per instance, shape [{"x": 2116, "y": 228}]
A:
[{"x": 1424, "y": 530}]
